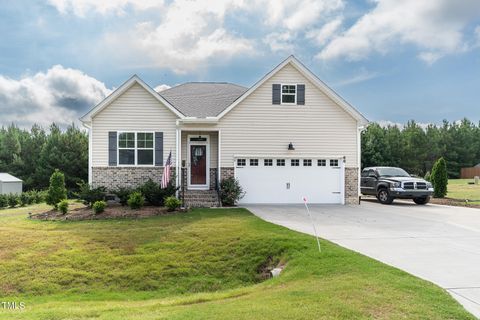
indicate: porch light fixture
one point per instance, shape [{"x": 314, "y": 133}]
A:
[{"x": 290, "y": 146}]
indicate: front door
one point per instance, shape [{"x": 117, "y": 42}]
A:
[{"x": 198, "y": 165}]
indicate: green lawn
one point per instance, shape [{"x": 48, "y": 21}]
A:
[
  {"x": 460, "y": 189},
  {"x": 198, "y": 265}
]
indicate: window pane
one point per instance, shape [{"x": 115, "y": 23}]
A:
[
  {"x": 254, "y": 162},
  {"x": 241, "y": 162},
  {"x": 280, "y": 162},
  {"x": 145, "y": 157},
  {"x": 126, "y": 140},
  {"x": 288, "y": 98},
  {"x": 288, "y": 89},
  {"x": 126, "y": 156}
]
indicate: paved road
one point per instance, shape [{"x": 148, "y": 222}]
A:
[{"x": 437, "y": 243}]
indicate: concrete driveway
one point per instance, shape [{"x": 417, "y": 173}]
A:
[{"x": 437, "y": 243}]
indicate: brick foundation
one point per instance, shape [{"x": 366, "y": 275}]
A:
[
  {"x": 115, "y": 177},
  {"x": 351, "y": 186}
]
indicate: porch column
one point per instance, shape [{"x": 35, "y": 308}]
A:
[
  {"x": 178, "y": 160},
  {"x": 219, "y": 151}
]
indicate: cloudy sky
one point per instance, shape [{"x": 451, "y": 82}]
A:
[{"x": 393, "y": 60}]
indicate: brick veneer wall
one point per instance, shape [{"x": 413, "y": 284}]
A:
[
  {"x": 115, "y": 177},
  {"x": 351, "y": 186},
  {"x": 226, "y": 172}
]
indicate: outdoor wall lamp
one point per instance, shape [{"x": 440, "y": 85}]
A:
[{"x": 290, "y": 146}]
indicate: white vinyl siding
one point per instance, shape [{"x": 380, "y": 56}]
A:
[
  {"x": 135, "y": 110},
  {"x": 257, "y": 127}
]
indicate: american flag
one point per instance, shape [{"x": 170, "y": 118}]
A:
[{"x": 166, "y": 172}]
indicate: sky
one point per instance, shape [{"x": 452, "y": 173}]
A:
[{"x": 393, "y": 60}]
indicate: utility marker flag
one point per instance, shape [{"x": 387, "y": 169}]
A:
[
  {"x": 313, "y": 224},
  {"x": 166, "y": 172}
]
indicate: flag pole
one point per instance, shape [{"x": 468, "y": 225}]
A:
[{"x": 313, "y": 224}]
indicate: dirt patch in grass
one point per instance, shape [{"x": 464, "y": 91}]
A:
[{"x": 113, "y": 211}]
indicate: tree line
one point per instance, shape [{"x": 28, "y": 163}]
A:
[
  {"x": 33, "y": 155},
  {"x": 416, "y": 148}
]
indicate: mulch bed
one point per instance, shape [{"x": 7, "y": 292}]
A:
[
  {"x": 454, "y": 202},
  {"x": 112, "y": 211}
]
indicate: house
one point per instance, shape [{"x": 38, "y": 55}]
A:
[
  {"x": 10, "y": 184},
  {"x": 287, "y": 137}
]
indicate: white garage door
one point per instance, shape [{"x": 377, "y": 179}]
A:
[{"x": 285, "y": 180}]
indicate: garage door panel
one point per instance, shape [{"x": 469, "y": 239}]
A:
[{"x": 288, "y": 184}]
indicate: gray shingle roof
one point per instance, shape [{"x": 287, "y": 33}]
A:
[{"x": 202, "y": 99}]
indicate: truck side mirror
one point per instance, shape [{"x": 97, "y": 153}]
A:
[{"x": 372, "y": 175}]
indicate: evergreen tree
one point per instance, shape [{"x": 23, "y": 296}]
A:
[
  {"x": 439, "y": 178},
  {"x": 57, "y": 191}
]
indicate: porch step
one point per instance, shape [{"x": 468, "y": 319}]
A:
[{"x": 201, "y": 198}]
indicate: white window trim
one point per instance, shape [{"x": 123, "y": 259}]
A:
[
  {"x": 289, "y": 94},
  {"x": 135, "y": 149}
]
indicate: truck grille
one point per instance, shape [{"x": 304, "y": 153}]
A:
[
  {"x": 413, "y": 186},
  {"x": 421, "y": 185},
  {"x": 408, "y": 186}
]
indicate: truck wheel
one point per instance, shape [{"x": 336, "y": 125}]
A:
[
  {"x": 384, "y": 197},
  {"x": 421, "y": 200}
]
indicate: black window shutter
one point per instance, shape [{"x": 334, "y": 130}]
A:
[
  {"x": 301, "y": 94},
  {"x": 112, "y": 148},
  {"x": 159, "y": 149},
  {"x": 276, "y": 95}
]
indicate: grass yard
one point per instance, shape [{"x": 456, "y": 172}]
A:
[
  {"x": 460, "y": 189},
  {"x": 204, "y": 264}
]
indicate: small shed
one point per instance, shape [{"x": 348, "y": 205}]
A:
[{"x": 10, "y": 184}]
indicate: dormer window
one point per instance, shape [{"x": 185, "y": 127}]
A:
[{"x": 289, "y": 94}]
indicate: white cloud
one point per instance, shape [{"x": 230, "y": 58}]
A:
[
  {"x": 117, "y": 7},
  {"x": 326, "y": 32},
  {"x": 298, "y": 14},
  {"x": 279, "y": 41},
  {"x": 434, "y": 26},
  {"x": 162, "y": 87},
  {"x": 361, "y": 76},
  {"x": 58, "y": 95},
  {"x": 189, "y": 36}
]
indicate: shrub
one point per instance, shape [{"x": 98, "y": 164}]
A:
[
  {"x": 99, "y": 206},
  {"x": 24, "y": 199},
  {"x": 154, "y": 194},
  {"x": 172, "y": 203},
  {"x": 63, "y": 206},
  {"x": 3, "y": 201},
  {"x": 123, "y": 194},
  {"x": 90, "y": 195},
  {"x": 56, "y": 191},
  {"x": 13, "y": 200},
  {"x": 439, "y": 178},
  {"x": 230, "y": 191},
  {"x": 39, "y": 196},
  {"x": 136, "y": 200}
]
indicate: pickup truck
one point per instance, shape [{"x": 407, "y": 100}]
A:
[{"x": 390, "y": 183}]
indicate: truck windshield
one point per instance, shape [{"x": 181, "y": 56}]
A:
[{"x": 392, "y": 172}]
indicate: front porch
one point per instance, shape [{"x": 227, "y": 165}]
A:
[{"x": 197, "y": 163}]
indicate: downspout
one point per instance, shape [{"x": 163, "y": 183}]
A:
[
  {"x": 359, "y": 160},
  {"x": 89, "y": 128}
]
